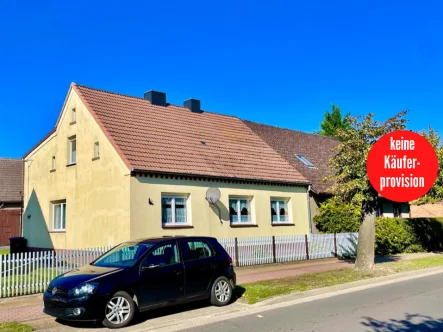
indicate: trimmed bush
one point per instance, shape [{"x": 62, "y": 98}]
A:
[
  {"x": 393, "y": 236},
  {"x": 337, "y": 217},
  {"x": 414, "y": 248}
]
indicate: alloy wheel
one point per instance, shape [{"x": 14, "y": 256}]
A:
[
  {"x": 222, "y": 291},
  {"x": 118, "y": 310}
]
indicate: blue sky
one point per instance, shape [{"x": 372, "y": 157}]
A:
[{"x": 281, "y": 62}]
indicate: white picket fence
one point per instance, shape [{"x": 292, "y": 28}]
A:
[
  {"x": 31, "y": 272},
  {"x": 247, "y": 251}
]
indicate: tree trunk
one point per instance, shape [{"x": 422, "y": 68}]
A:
[{"x": 366, "y": 244}]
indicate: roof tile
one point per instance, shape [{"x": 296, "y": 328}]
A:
[
  {"x": 168, "y": 139},
  {"x": 317, "y": 149},
  {"x": 11, "y": 180}
]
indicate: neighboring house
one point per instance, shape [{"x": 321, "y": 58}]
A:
[
  {"x": 430, "y": 210},
  {"x": 11, "y": 200},
  {"x": 310, "y": 155},
  {"x": 117, "y": 167}
]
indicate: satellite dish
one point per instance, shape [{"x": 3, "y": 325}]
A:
[{"x": 213, "y": 195}]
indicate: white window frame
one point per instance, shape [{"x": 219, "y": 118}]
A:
[
  {"x": 286, "y": 203},
  {"x": 251, "y": 216},
  {"x": 62, "y": 210},
  {"x": 97, "y": 149},
  {"x": 174, "y": 222},
  {"x": 71, "y": 161}
]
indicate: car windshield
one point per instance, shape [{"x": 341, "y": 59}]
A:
[{"x": 124, "y": 255}]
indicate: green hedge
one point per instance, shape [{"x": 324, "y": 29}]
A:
[{"x": 394, "y": 235}]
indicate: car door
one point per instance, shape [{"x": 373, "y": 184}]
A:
[
  {"x": 200, "y": 266},
  {"x": 161, "y": 276}
]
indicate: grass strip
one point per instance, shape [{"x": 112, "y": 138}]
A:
[
  {"x": 261, "y": 290},
  {"x": 15, "y": 327}
]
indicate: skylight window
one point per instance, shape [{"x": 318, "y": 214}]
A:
[{"x": 304, "y": 160}]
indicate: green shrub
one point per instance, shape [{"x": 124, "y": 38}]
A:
[
  {"x": 393, "y": 236},
  {"x": 429, "y": 232},
  {"x": 414, "y": 248},
  {"x": 337, "y": 217}
]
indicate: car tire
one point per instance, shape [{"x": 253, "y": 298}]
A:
[
  {"x": 119, "y": 310},
  {"x": 221, "y": 292}
]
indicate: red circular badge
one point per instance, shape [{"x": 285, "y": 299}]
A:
[{"x": 402, "y": 166}]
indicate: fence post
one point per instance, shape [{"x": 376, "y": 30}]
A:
[
  {"x": 273, "y": 249},
  {"x": 236, "y": 252},
  {"x": 307, "y": 246},
  {"x": 335, "y": 244}
]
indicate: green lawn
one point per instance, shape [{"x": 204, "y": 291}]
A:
[
  {"x": 258, "y": 291},
  {"x": 4, "y": 252},
  {"x": 15, "y": 327}
]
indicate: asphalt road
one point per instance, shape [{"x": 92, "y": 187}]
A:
[{"x": 413, "y": 305}]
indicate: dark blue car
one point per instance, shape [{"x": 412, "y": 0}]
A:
[{"x": 142, "y": 275}]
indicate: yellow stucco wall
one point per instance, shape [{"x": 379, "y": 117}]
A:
[
  {"x": 146, "y": 216},
  {"x": 97, "y": 192}
]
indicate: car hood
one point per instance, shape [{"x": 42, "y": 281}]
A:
[{"x": 83, "y": 274}]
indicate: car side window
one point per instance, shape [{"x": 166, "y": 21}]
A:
[
  {"x": 196, "y": 249},
  {"x": 163, "y": 255}
]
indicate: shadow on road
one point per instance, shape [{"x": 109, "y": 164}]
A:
[
  {"x": 411, "y": 322},
  {"x": 156, "y": 313}
]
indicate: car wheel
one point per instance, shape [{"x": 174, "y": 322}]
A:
[
  {"x": 221, "y": 292},
  {"x": 119, "y": 311}
]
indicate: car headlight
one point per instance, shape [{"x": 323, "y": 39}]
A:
[{"x": 83, "y": 289}]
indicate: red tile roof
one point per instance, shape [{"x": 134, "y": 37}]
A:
[
  {"x": 168, "y": 139},
  {"x": 11, "y": 180},
  {"x": 317, "y": 149}
]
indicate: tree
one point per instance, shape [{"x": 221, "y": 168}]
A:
[
  {"x": 435, "y": 194},
  {"x": 351, "y": 183},
  {"x": 334, "y": 122}
]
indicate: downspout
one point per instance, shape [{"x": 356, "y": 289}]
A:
[{"x": 309, "y": 209}]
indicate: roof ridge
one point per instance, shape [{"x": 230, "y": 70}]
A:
[
  {"x": 294, "y": 130},
  {"x": 141, "y": 98}
]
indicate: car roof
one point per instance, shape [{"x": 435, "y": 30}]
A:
[{"x": 167, "y": 238}]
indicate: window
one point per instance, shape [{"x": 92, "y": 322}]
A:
[
  {"x": 72, "y": 150},
  {"x": 279, "y": 210},
  {"x": 125, "y": 254},
  {"x": 240, "y": 210},
  {"x": 74, "y": 115},
  {"x": 166, "y": 254},
  {"x": 196, "y": 249},
  {"x": 59, "y": 216},
  {"x": 304, "y": 160},
  {"x": 174, "y": 210},
  {"x": 96, "y": 150},
  {"x": 53, "y": 162}
]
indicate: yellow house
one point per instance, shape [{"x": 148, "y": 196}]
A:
[{"x": 117, "y": 167}]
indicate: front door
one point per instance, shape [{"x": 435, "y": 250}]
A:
[
  {"x": 161, "y": 277},
  {"x": 200, "y": 266}
]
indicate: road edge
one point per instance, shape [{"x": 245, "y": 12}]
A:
[{"x": 293, "y": 299}]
